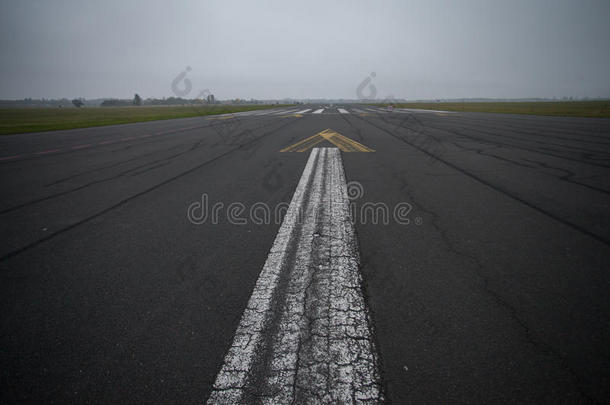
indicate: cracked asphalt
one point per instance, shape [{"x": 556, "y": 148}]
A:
[
  {"x": 495, "y": 291},
  {"x": 305, "y": 336}
]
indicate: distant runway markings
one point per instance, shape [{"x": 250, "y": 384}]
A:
[
  {"x": 303, "y": 111},
  {"x": 320, "y": 111},
  {"x": 416, "y": 110},
  {"x": 342, "y": 111}
]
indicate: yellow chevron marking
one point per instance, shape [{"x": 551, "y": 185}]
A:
[{"x": 342, "y": 142}]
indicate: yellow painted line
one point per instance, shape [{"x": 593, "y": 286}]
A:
[
  {"x": 310, "y": 144},
  {"x": 339, "y": 142},
  {"x": 344, "y": 143},
  {"x": 291, "y": 115},
  {"x": 293, "y": 148}
]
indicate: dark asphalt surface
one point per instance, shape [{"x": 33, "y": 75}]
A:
[{"x": 496, "y": 291}]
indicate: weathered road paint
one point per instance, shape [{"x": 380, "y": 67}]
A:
[
  {"x": 340, "y": 141},
  {"x": 305, "y": 336}
]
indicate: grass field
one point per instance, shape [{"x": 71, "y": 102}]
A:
[
  {"x": 555, "y": 108},
  {"x": 20, "y": 120}
]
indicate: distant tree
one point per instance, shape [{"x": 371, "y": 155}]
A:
[
  {"x": 113, "y": 102},
  {"x": 137, "y": 100},
  {"x": 77, "y": 102}
]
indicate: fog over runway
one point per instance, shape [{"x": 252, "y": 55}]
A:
[{"x": 435, "y": 49}]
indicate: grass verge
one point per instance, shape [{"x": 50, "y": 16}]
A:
[
  {"x": 20, "y": 120},
  {"x": 598, "y": 109}
]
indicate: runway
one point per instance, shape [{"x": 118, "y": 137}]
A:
[{"x": 475, "y": 254}]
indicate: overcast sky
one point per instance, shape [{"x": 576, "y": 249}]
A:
[{"x": 305, "y": 49}]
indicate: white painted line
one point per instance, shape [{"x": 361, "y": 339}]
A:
[
  {"x": 405, "y": 110},
  {"x": 305, "y": 335},
  {"x": 251, "y": 112},
  {"x": 303, "y": 111},
  {"x": 285, "y": 112},
  {"x": 245, "y": 112},
  {"x": 342, "y": 111},
  {"x": 266, "y": 112},
  {"x": 318, "y": 111}
]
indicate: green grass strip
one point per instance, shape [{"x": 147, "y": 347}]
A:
[
  {"x": 598, "y": 109},
  {"x": 33, "y": 119}
]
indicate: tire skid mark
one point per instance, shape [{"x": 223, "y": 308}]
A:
[
  {"x": 600, "y": 238},
  {"x": 126, "y": 200}
]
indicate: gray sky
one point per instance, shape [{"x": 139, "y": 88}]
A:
[{"x": 305, "y": 49}]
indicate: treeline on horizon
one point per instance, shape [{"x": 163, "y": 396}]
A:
[
  {"x": 177, "y": 101},
  {"x": 119, "y": 102}
]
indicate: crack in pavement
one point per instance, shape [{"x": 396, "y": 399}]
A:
[
  {"x": 124, "y": 201},
  {"x": 600, "y": 238},
  {"x": 312, "y": 336}
]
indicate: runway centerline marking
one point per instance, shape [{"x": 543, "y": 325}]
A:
[
  {"x": 342, "y": 142},
  {"x": 305, "y": 335}
]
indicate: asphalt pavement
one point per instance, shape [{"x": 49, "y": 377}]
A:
[{"x": 130, "y": 254}]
